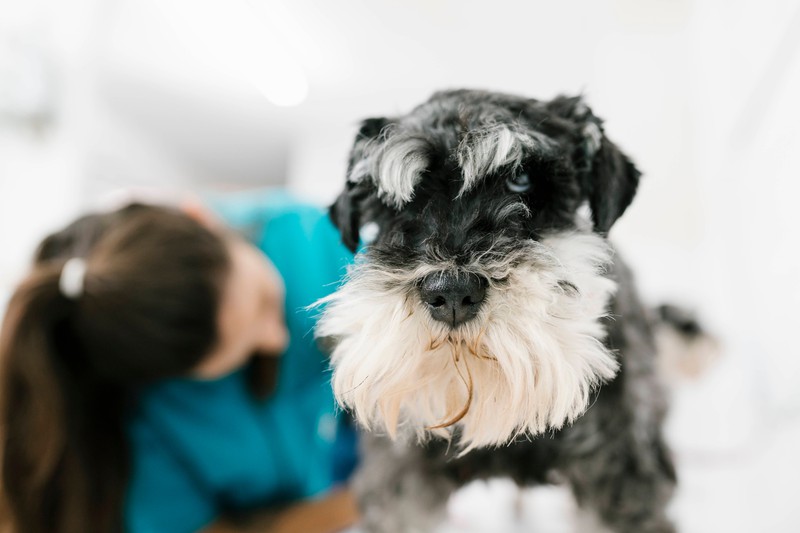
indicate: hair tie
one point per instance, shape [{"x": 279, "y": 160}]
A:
[{"x": 72, "y": 276}]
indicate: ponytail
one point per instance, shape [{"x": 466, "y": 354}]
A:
[{"x": 58, "y": 430}]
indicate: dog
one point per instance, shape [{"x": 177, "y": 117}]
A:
[{"x": 488, "y": 327}]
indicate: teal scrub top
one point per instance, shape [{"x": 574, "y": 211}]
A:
[{"x": 203, "y": 447}]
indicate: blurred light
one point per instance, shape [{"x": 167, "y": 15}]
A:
[{"x": 230, "y": 34}]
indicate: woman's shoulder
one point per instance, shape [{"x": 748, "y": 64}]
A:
[
  {"x": 252, "y": 209},
  {"x": 297, "y": 236}
]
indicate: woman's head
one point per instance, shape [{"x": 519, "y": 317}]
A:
[
  {"x": 250, "y": 317},
  {"x": 159, "y": 295},
  {"x": 165, "y": 294},
  {"x": 151, "y": 291}
]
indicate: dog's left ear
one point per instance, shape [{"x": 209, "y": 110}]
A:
[
  {"x": 611, "y": 185},
  {"x": 608, "y": 178}
]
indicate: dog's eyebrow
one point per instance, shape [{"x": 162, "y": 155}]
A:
[
  {"x": 396, "y": 166},
  {"x": 499, "y": 146}
]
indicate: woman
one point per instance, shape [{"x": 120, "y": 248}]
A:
[{"x": 138, "y": 383}]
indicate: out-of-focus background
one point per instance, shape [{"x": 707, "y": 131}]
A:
[{"x": 162, "y": 97}]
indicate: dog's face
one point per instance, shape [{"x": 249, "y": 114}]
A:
[{"x": 477, "y": 302}]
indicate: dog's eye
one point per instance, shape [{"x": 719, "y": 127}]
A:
[{"x": 519, "y": 183}]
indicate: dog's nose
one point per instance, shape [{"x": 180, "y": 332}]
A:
[{"x": 453, "y": 298}]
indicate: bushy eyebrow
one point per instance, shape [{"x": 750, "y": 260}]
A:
[
  {"x": 497, "y": 148},
  {"x": 399, "y": 162},
  {"x": 396, "y": 165}
]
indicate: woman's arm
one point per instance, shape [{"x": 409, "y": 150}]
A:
[{"x": 335, "y": 512}]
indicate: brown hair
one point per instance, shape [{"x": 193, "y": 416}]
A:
[{"x": 69, "y": 368}]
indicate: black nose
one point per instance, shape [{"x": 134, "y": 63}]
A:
[{"x": 453, "y": 298}]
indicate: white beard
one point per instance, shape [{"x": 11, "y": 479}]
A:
[{"x": 527, "y": 363}]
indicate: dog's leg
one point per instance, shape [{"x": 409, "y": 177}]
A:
[
  {"x": 626, "y": 484},
  {"x": 399, "y": 488},
  {"x": 614, "y": 456}
]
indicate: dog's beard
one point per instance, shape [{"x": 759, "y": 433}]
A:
[{"x": 526, "y": 363}]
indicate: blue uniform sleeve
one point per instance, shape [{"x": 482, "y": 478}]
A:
[{"x": 162, "y": 495}]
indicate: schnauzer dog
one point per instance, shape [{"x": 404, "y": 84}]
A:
[{"x": 485, "y": 310}]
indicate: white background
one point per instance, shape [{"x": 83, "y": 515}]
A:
[{"x": 177, "y": 95}]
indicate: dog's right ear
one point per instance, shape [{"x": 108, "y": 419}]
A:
[
  {"x": 346, "y": 216},
  {"x": 346, "y": 211},
  {"x": 371, "y": 128}
]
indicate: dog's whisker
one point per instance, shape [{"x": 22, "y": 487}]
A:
[
  {"x": 350, "y": 391},
  {"x": 478, "y": 340},
  {"x": 486, "y": 356},
  {"x": 456, "y": 353},
  {"x": 410, "y": 312},
  {"x": 470, "y": 391}
]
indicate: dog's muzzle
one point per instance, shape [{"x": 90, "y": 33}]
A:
[{"x": 453, "y": 298}]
